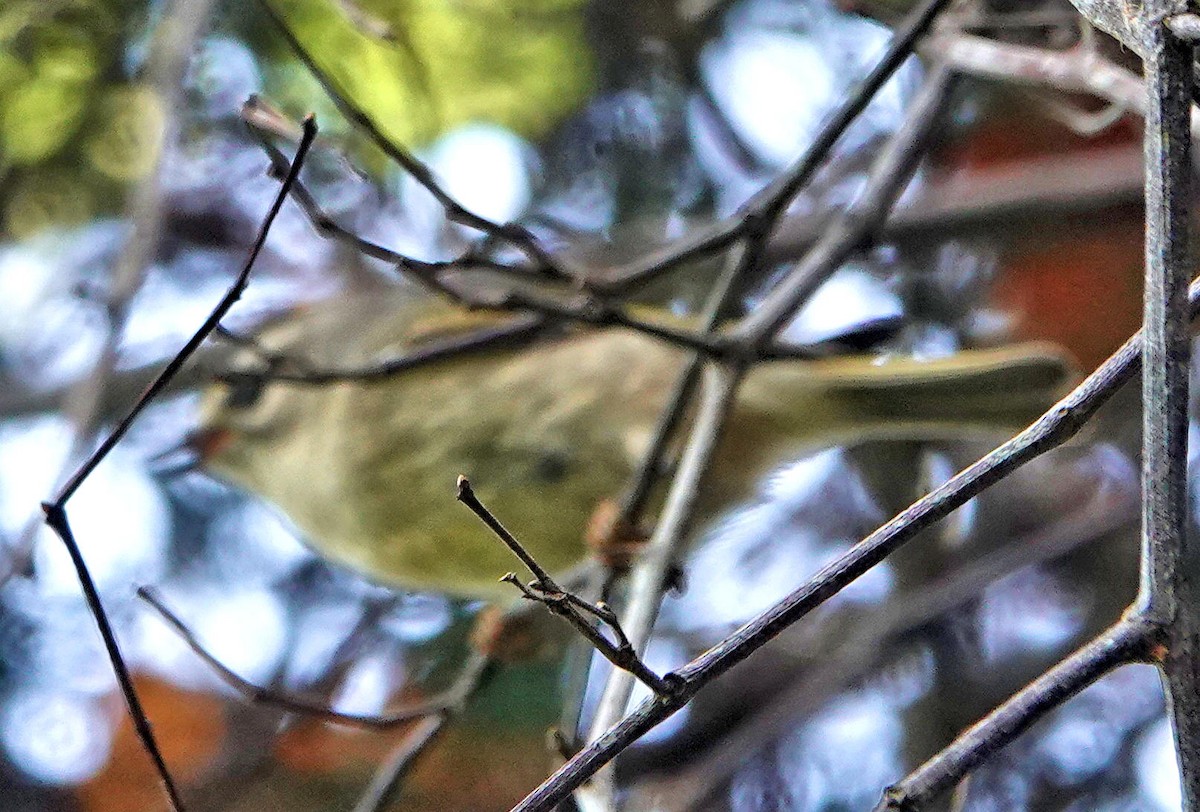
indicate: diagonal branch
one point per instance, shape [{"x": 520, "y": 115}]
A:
[
  {"x": 1055, "y": 427},
  {"x": 85, "y": 400},
  {"x": 890, "y": 173},
  {"x": 56, "y": 514},
  {"x": 509, "y": 233},
  {"x": 761, "y": 213},
  {"x": 570, "y": 607},
  {"x": 443, "y": 702},
  {"x": 1125, "y": 642}
]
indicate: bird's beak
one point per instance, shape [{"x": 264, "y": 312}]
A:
[
  {"x": 197, "y": 448},
  {"x": 208, "y": 443}
]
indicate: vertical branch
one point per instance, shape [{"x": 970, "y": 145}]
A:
[
  {"x": 719, "y": 388},
  {"x": 722, "y": 296},
  {"x": 1169, "y": 596}
]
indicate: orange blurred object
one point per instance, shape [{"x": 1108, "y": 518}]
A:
[{"x": 190, "y": 728}]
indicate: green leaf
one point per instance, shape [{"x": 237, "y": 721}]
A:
[
  {"x": 39, "y": 117},
  {"x": 523, "y": 65},
  {"x": 128, "y": 138}
]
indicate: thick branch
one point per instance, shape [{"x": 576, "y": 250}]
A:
[{"x": 1169, "y": 593}]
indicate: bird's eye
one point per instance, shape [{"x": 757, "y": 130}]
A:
[
  {"x": 550, "y": 467},
  {"x": 244, "y": 391}
]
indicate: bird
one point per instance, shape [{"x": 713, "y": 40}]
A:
[{"x": 365, "y": 468}]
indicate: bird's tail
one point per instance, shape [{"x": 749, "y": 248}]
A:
[{"x": 847, "y": 400}]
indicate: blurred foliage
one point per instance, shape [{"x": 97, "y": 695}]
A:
[
  {"x": 65, "y": 99},
  {"x": 419, "y": 69},
  {"x": 78, "y": 120}
]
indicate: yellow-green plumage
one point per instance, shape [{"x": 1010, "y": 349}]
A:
[{"x": 366, "y": 470}]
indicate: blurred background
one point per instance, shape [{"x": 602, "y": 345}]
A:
[{"x": 130, "y": 191}]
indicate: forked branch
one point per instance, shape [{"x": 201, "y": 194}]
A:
[{"x": 56, "y": 513}]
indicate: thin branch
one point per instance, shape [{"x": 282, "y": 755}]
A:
[
  {"x": 56, "y": 515},
  {"x": 449, "y": 699},
  {"x": 763, "y": 210},
  {"x": 1075, "y": 70},
  {"x": 225, "y": 779},
  {"x": 389, "y": 777},
  {"x": 509, "y": 233},
  {"x": 570, "y": 607},
  {"x": 1020, "y": 196},
  {"x": 1055, "y": 427},
  {"x": 651, "y": 572},
  {"x": 210, "y": 324},
  {"x": 183, "y": 22},
  {"x": 721, "y": 299},
  {"x": 326, "y": 226},
  {"x": 590, "y": 310},
  {"x": 1125, "y": 642},
  {"x": 889, "y": 174},
  {"x": 298, "y": 370},
  {"x": 265, "y": 121},
  {"x": 56, "y": 519},
  {"x": 1165, "y": 349}
]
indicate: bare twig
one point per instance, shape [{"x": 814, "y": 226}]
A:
[
  {"x": 389, "y": 777},
  {"x": 760, "y": 214},
  {"x": 264, "y": 121},
  {"x": 298, "y": 370},
  {"x": 889, "y": 175},
  {"x": 56, "y": 519},
  {"x": 391, "y": 774},
  {"x": 326, "y": 226},
  {"x": 720, "y": 300},
  {"x": 85, "y": 400},
  {"x": 1031, "y": 190},
  {"x": 449, "y": 699},
  {"x": 210, "y": 324},
  {"x": 656, "y": 561},
  {"x": 224, "y": 782},
  {"x": 1076, "y": 70},
  {"x": 563, "y": 603}
]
